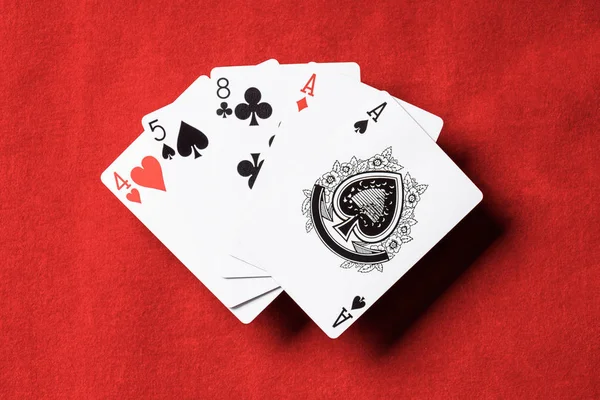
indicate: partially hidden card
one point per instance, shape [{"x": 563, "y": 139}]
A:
[{"x": 244, "y": 108}]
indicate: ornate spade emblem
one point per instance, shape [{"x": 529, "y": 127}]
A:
[
  {"x": 369, "y": 205},
  {"x": 364, "y": 210}
]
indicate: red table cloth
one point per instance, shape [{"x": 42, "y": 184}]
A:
[{"x": 507, "y": 306}]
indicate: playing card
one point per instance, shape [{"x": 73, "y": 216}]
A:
[
  {"x": 354, "y": 194},
  {"x": 430, "y": 123},
  {"x": 161, "y": 194},
  {"x": 290, "y": 93}
]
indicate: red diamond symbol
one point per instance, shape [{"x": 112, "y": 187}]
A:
[{"x": 302, "y": 104}]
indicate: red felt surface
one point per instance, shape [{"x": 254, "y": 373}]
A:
[{"x": 93, "y": 306}]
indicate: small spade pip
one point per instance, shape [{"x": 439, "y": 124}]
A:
[
  {"x": 361, "y": 126},
  {"x": 167, "y": 152}
]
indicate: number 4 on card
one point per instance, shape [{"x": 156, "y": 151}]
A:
[{"x": 133, "y": 195}]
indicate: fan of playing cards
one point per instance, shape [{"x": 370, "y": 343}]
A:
[{"x": 293, "y": 177}]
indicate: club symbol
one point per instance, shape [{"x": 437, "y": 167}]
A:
[
  {"x": 224, "y": 110},
  {"x": 253, "y": 107},
  {"x": 250, "y": 169}
]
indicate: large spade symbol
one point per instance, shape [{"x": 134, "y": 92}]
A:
[
  {"x": 190, "y": 140},
  {"x": 369, "y": 204}
]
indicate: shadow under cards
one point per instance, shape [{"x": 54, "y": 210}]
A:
[
  {"x": 392, "y": 315},
  {"x": 388, "y": 319},
  {"x": 286, "y": 317}
]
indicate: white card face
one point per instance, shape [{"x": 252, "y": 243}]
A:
[
  {"x": 161, "y": 194},
  {"x": 430, "y": 123},
  {"x": 296, "y": 87},
  {"x": 216, "y": 177},
  {"x": 353, "y": 196}
]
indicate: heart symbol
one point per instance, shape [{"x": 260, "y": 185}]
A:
[
  {"x": 358, "y": 302},
  {"x": 134, "y": 196},
  {"x": 361, "y": 126},
  {"x": 149, "y": 174}
]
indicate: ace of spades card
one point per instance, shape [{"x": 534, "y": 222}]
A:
[{"x": 339, "y": 227}]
